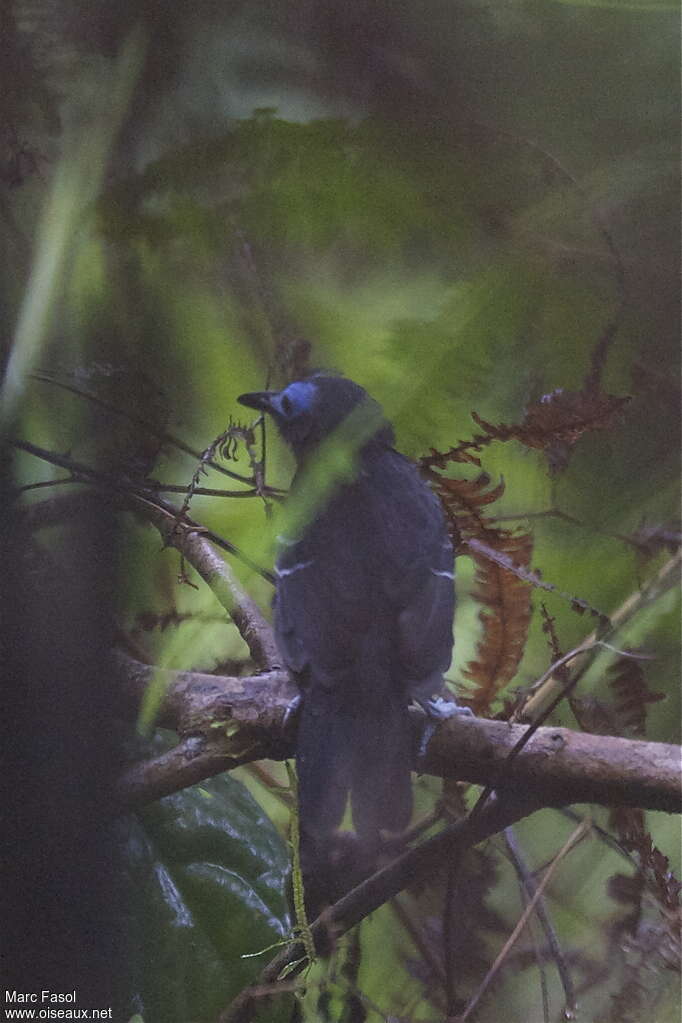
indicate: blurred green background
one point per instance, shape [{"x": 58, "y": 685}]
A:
[{"x": 451, "y": 203}]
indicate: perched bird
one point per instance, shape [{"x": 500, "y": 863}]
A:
[{"x": 364, "y": 605}]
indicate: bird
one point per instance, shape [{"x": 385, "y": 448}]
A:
[{"x": 363, "y": 608}]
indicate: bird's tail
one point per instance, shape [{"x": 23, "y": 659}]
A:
[{"x": 360, "y": 748}]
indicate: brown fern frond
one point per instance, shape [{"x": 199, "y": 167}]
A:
[
  {"x": 502, "y": 558},
  {"x": 501, "y": 562},
  {"x": 505, "y": 617},
  {"x": 555, "y": 423},
  {"x": 627, "y": 889},
  {"x": 659, "y": 879},
  {"x": 533, "y": 578},
  {"x": 647, "y": 955},
  {"x": 593, "y": 715},
  {"x": 649, "y": 946},
  {"x": 564, "y": 416},
  {"x": 463, "y": 501},
  {"x": 628, "y": 823},
  {"x": 632, "y": 694},
  {"x": 422, "y": 917}
]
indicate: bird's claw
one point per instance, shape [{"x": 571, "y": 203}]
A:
[{"x": 437, "y": 709}]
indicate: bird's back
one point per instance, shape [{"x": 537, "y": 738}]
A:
[{"x": 364, "y": 610}]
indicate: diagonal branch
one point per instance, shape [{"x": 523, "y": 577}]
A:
[
  {"x": 193, "y": 541},
  {"x": 576, "y": 836},
  {"x": 379, "y": 888},
  {"x": 217, "y": 574}
]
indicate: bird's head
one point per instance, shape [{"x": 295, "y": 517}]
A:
[{"x": 309, "y": 410}]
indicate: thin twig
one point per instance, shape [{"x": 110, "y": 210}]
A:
[
  {"x": 530, "y": 886},
  {"x": 667, "y": 576},
  {"x": 163, "y": 435},
  {"x": 177, "y": 488},
  {"x": 574, "y": 838},
  {"x": 140, "y": 494},
  {"x": 44, "y": 484}
]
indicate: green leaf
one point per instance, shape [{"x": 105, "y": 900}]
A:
[{"x": 208, "y": 872}]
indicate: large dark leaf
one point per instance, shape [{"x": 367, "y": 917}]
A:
[{"x": 207, "y": 872}]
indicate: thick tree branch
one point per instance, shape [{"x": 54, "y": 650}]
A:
[
  {"x": 559, "y": 765},
  {"x": 224, "y": 722}
]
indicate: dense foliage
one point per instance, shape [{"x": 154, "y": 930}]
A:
[{"x": 470, "y": 209}]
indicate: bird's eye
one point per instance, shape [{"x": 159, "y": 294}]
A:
[{"x": 286, "y": 406}]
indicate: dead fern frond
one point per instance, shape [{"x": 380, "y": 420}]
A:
[
  {"x": 553, "y": 424},
  {"x": 501, "y": 562},
  {"x": 632, "y": 694},
  {"x": 505, "y": 616}
]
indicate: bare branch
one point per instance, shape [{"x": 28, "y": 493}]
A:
[
  {"x": 223, "y": 722},
  {"x": 153, "y": 428},
  {"x": 576, "y": 836},
  {"x": 140, "y": 495},
  {"x": 195, "y": 544},
  {"x": 193, "y": 760},
  {"x": 547, "y": 689},
  {"x": 529, "y": 886},
  {"x": 557, "y": 767},
  {"x": 218, "y": 575}
]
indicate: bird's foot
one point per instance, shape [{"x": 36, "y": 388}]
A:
[{"x": 437, "y": 709}]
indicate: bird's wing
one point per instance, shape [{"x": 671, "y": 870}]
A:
[
  {"x": 418, "y": 576},
  {"x": 425, "y": 625},
  {"x": 321, "y": 601},
  {"x": 374, "y": 568}
]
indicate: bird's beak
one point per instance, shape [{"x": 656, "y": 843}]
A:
[{"x": 261, "y": 400}]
